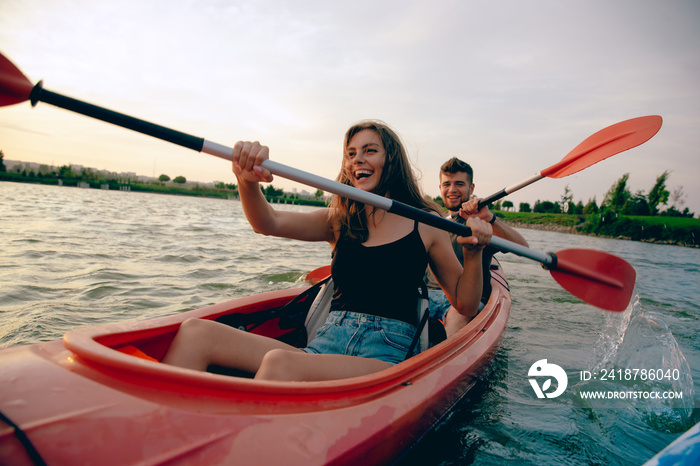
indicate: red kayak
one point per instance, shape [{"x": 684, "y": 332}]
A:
[{"x": 101, "y": 396}]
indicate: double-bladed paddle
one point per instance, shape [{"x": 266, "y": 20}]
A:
[{"x": 598, "y": 278}]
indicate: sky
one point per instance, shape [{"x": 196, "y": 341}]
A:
[{"x": 509, "y": 86}]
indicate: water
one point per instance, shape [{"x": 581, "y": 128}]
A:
[{"x": 73, "y": 257}]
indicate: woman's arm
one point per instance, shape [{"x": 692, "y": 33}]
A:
[
  {"x": 307, "y": 226},
  {"x": 462, "y": 283}
]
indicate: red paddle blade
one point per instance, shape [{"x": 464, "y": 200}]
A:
[
  {"x": 318, "y": 274},
  {"x": 606, "y": 143},
  {"x": 598, "y": 278},
  {"x": 14, "y": 86}
]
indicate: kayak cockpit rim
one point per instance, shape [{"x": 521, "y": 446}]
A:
[{"x": 95, "y": 347}]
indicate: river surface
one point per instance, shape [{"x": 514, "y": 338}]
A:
[{"x": 74, "y": 257}]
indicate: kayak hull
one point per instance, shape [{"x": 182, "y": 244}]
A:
[
  {"x": 89, "y": 400},
  {"x": 684, "y": 451}
]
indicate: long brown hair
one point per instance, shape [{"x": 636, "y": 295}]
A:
[{"x": 397, "y": 182}]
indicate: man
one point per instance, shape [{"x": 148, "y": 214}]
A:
[{"x": 456, "y": 188}]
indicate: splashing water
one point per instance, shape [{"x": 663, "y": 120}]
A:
[{"x": 635, "y": 344}]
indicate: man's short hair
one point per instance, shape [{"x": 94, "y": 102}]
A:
[{"x": 454, "y": 165}]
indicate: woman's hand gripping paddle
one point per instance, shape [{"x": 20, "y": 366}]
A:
[
  {"x": 598, "y": 278},
  {"x": 601, "y": 145}
]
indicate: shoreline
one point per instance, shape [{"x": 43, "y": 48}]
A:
[
  {"x": 542, "y": 225},
  {"x": 574, "y": 231}
]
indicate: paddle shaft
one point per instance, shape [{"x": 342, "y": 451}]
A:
[
  {"x": 161, "y": 132},
  {"x": 505, "y": 191}
]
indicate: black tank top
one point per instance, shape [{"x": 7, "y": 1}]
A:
[{"x": 379, "y": 280}]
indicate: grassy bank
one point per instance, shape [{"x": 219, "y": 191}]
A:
[
  {"x": 532, "y": 218},
  {"x": 667, "y": 230}
]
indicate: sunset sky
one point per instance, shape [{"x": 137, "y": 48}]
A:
[{"x": 509, "y": 86}]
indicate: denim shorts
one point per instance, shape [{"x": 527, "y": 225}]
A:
[
  {"x": 367, "y": 336},
  {"x": 438, "y": 304}
]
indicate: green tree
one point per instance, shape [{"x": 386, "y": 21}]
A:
[
  {"x": 637, "y": 205},
  {"x": 163, "y": 178},
  {"x": 658, "y": 194},
  {"x": 618, "y": 194},
  {"x": 271, "y": 191},
  {"x": 547, "y": 207},
  {"x": 319, "y": 193},
  {"x": 222, "y": 185},
  {"x": 88, "y": 174},
  {"x": 3, "y": 168},
  {"x": 65, "y": 172},
  {"x": 673, "y": 212},
  {"x": 591, "y": 207},
  {"x": 524, "y": 207},
  {"x": 180, "y": 180},
  {"x": 508, "y": 205}
]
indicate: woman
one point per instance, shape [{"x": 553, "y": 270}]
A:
[{"x": 379, "y": 259}]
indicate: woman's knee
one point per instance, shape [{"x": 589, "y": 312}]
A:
[
  {"x": 186, "y": 349},
  {"x": 193, "y": 329},
  {"x": 278, "y": 364},
  {"x": 193, "y": 335}
]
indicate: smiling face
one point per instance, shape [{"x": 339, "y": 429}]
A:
[
  {"x": 455, "y": 189},
  {"x": 364, "y": 159}
]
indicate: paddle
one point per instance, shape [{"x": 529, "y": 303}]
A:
[
  {"x": 601, "y": 279},
  {"x": 601, "y": 145}
]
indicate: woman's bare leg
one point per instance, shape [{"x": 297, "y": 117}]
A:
[
  {"x": 284, "y": 365},
  {"x": 200, "y": 343}
]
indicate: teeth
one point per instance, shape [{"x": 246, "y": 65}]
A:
[{"x": 362, "y": 174}]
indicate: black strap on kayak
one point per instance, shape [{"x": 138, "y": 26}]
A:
[
  {"x": 422, "y": 294},
  {"x": 416, "y": 338},
  {"x": 300, "y": 297},
  {"x": 24, "y": 440}
]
